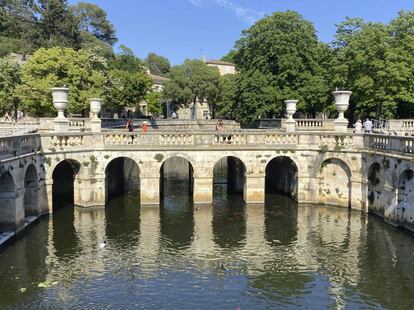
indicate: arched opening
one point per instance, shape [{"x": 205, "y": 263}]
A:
[
  {"x": 63, "y": 183},
  {"x": 334, "y": 183},
  {"x": 374, "y": 193},
  {"x": 282, "y": 177},
  {"x": 176, "y": 181},
  {"x": 31, "y": 192},
  {"x": 122, "y": 179},
  {"x": 176, "y": 192},
  {"x": 8, "y": 220},
  {"x": 405, "y": 197},
  {"x": 229, "y": 180}
]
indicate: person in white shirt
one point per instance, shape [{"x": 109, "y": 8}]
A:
[
  {"x": 368, "y": 126},
  {"x": 358, "y": 126}
]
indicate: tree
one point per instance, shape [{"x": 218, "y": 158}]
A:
[
  {"x": 130, "y": 88},
  {"x": 278, "y": 58},
  {"x": 226, "y": 105},
  {"x": 126, "y": 61},
  {"x": 9, "y": 80},
  {"x": 58, "y": 25},
  {"x": 191, "y": 82},
  {"x": 93, "y": 19},
  {"x": 157, "y": 65},
  {"x": 83, "y": 72},
  {"x": 154, "y": 103}
]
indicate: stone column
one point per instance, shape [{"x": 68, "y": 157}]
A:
[
  {"x": 306, "y": 188},
  {"x": 254, "y": 189},
  {"x": 12, "y": 210},
  {"x": 95, "y": 106},
  {"x": 60, "y": 102},
  {"x": 49, "y": 194},
  {"x": 290, "y": 110},
  {"x": 203, "y": 190},
  {"x": 341, "y": 103},
  {"x": 358, "y": 195},
  {"x": 150, "y": 190},
  {"x": 89, "y": 190},
  {"x": 43, "y": 199}
]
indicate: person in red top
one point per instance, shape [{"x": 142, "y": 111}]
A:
[{"x": 145, "y": 127}]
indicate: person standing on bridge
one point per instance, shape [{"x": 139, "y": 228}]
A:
[
  {"x": 368, "y": 125},
  {"x": 358, "y": 126}
]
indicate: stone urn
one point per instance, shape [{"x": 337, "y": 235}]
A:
[
  {"x": 60, "y": 100},
  {"x": 95, "y": 106},
  {"x": 342, "y": 101},
  {"x": 290, "y": 111},
  {"x": 342, "y": 104}
]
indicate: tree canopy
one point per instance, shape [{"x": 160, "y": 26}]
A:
[
  {"x": 9, "y": 80},
  {"x": 157, "y": 65}
]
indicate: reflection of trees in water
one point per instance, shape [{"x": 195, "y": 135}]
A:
[
  {"x": 122, "y": 221},
  {"x": 176, "y": 213},
  {"x": 281, "y": 215},
  {"x": 229, "y": 221}
]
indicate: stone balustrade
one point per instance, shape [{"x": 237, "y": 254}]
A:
[
  {"x": 400, "y": 144},
  {"x": 19, "y": 145}
]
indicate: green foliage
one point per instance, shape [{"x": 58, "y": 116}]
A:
[
  {"x": 225, "y": 106},
  {"x": 191, "y": 81},
  {"x": 83, "y": 72},
  {"x": 126, "y": 61},
  {"x": 157, "y": 65},
  {"x": 93, "y": 20},
  {"x": 279, "y": 58},
  {"x": 9, "y": 80},
  {"x": 153, "y": 99},
  {"x": 128, "y": 89}
]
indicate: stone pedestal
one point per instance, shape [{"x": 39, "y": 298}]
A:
[
  {"x": 150, "y": 191},
  {"x": 96, "y": 125},
  {"x": 255, "y": 189},
  {"x": 341, "y": 103},
  {"x": 61, "y": 125},
  {"x": 95, "y": 107},
  {"x": 290, "y": 111},
  {"x": 203, "y": 190},
  {"x": 60, "y": 102},
  {"x": 290, "y": 125},
  {"x": 89, "y": 191},
  {"x": 341, "y": 125}
]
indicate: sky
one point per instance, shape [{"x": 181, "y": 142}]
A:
[{"x": 180, "y": 29}]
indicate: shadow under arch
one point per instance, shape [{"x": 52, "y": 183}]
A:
[
  {"x": 31, "y": 191},
  {"x": 63, "y": 183},
  {"x": 334, "y": 183},
  {"x": 7, "y": 202},
  {"x": 374, "y": 189},
  {"x": 282, "y": 177},
  {"x": 176, "y": 203},
  {"x": 122, "y": 178},
  {"x": 229, "y": 179}
]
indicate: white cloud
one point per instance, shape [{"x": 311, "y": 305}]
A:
[{"x": 246, "y": 14}]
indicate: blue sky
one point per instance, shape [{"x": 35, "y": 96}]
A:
[{"x": 180, "y": 29}]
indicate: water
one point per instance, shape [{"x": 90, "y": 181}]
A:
[{"x": 226, "y": 256}]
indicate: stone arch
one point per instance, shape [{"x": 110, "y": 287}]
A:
[
  {"x": 180, "y": 170},
  {"x": 334, "y": 183},
  {"x": 31, "y": 191},
  {"x": 8, "y": 203},
  {"x": 63, "y": 183},
  {"x": 405, "y": 197},
  {"x": 282, "y": 177},
  {"x": 229, "y": 177},
  {"x": 122, "y": 176},
  {"x": 375, "y": 189}
]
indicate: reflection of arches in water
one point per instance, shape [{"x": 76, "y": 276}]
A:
[
  {"x": 176, "y": 179},
  {"x": 122, "y": 218},
  {"x": 281, "y": 215},
  {"x": 229, "y": 223},
  {"x": 334, "y": 183},
  {"x": 31, "y": 190},
  {"x": 229, "y": 178},
  {"x": 7, "y": 202},
  {"x": 121, "y": 178},
  {"x": 282, "y": 177},
  {"x": 63, "y": 183},
  {"x": 374, "y": 189}
]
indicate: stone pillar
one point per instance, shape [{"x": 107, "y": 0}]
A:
[
  {"x": 89, "y": 191},
  {"x": 49, "y": 194},
  {"x": 341, "y": 103},
  {"x": 11, "y": 210},
  {"x": 60, "y": 102},
  {"x": 203, "y": 190},
  {"x": 150, "y": 190},
  {"x": 290, "y": 110},
  {"x": 95, "y": 106},
  {"x": 254, "y": 189},
  {"x": 43, "y": 199},
  {"x": 358, "y": 195},
  {"x": 306, "y": 188}
]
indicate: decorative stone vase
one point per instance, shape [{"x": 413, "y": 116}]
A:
[
  {"x": 290, "y": 111},
  {"x": 60, "y": 100},
  {"x": 342, "y": 104},
  {"x": 342, "y": 101},
  {"x": 95, "y": 106}
]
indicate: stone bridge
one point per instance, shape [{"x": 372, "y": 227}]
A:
[{"x": 362, "y": 172}]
